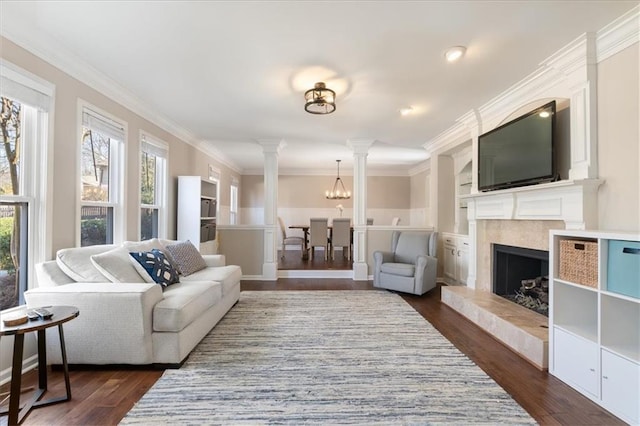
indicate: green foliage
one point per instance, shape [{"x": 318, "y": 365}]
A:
[
  {"x": 6, "y": 229},
  {"x": 93, "y": 231}
]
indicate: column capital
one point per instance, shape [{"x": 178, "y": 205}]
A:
[
  {"x": 271, "y": 146},
  {"x": 360, "y": 146}
]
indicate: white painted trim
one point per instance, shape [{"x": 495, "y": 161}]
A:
[
  {"x": 619, "y": 34},
  {"x": 162, "y": 192},
  {"x": 119, "y": 172},
  {"x": 30, "y": 363}
]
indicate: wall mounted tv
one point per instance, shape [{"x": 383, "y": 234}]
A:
[{"x": 520, "y": 152}]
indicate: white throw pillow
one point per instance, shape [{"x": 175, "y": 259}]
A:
[
  {"x": 76, "y": 263},
  {"x": 116, "y": 264}
]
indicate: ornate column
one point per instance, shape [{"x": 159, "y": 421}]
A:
[
  {"x": 270, "y": 149},
  {"x": 360, "y": 149}
]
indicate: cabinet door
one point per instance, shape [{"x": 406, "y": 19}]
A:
[
  {"x": 576, "y": 361},
  {"x": 621, "y": 387},
  {"x": 450, "y": 261}
]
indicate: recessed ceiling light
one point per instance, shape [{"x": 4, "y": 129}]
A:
[
  {"x": 406, "y": 111},
  {"x": 454, "y": 53}
]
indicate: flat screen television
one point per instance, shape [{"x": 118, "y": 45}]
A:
[{"x": 520, "y": 152}]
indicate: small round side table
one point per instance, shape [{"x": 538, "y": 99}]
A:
[{"x": 61, "y": 314}]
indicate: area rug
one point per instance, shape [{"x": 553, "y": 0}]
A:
[{"x": 325, "y": 357}]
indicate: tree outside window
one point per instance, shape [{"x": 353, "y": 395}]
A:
[
  {"x": 148, "y": 196},
  {"x": 12, "y": 225}
]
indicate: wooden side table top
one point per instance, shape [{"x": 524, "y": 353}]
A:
[{"x": 61, "y": 314}]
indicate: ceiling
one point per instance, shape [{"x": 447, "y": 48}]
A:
[{"x": 230, "y": 74}]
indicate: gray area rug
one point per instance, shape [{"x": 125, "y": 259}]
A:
[{"x": 325, "y": 357}]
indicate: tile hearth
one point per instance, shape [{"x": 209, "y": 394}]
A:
[{"x": 524, "y": 331}]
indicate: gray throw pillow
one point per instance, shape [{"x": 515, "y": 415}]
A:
[{"x": 187, "y": 258}]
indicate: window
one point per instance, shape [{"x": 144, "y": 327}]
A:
[
  {"x": 101, "y": 170},
  {"x": 24, "y": 236},
  {"x": 153, "y": 178},
  {"x": 233, "y": 208}
]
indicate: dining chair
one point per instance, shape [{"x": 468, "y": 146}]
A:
[
  {"x": 341, "y": 236},
  {"x": 318, "y": 235},
  {"x": 288, "y": 240}
]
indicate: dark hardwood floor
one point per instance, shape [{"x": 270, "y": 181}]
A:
[
  {"x": 293, "y": 260},
  {"x": 103, "y": 397}
]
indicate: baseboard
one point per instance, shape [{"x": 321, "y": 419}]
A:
[{"x": 27, "y": 365}]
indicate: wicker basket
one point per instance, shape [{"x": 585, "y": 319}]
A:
[{"x": 579, "y": 262}]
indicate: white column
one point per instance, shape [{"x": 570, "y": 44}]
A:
[
  {"x": 270, "y": 149},
  {"x": 360, "y": 151}
]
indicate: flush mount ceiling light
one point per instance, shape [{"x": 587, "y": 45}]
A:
[
  {"x": 454, "y": 53},
  {"x": 338, "y": 192},
  {"x": 406, "y": 111},
  {"x": 320, "y": 100}
]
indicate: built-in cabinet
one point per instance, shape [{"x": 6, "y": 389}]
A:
[
  {"x": 197, "y": 211},
  {"x": 594, "y": 338},
  {"x": 456, "y": 258},
  {"x": 463, "y": 182}
]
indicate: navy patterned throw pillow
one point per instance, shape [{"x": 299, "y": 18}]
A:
[{"x": 156, "y": 266}]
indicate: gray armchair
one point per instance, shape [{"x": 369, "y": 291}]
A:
[{"x": 410, "y": 266}]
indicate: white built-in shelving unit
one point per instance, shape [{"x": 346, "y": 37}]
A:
[
  {"x": 594, "y": 342},
  {"x": 197, "y": 211}
]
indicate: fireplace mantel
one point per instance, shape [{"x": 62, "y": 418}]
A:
[{"x": 573, "y": 201}]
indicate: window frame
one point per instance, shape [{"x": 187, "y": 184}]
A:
[
  {"x": 36, "y": 171},
  {"x": 233, "y": 201},
  {"x": 161, "y": 184},
  {"x": 117, "y": 175}
]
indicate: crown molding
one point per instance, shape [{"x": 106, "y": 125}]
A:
[
  {"x": 58, "y": 56},
  {"x": 618, "y": 35},
  {"x": 454, "y": 135},
  {"x": 581, "y": 52},
  {"x": 422, "y": 167}
]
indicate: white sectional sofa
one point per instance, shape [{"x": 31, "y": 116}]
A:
[{"x": 124, "y": 319}]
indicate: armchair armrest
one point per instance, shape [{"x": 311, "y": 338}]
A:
[
  {"x": 426, "y": 271},
  {"x": 380, "y": 257},
  {"x": 214, "y": 259}
]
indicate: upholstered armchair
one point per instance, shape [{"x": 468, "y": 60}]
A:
[{"x": 410, "y": 266}]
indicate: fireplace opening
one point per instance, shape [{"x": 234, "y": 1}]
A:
[{"x": 521, "y": 275}]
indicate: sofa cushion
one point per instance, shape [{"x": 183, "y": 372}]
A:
[
  {"x": 153, "y": 266},
  {"x": 76, "y": 263},
  {"x": 228, "y": 276},
  {"x": 186, "y": 257},
  {"x": 183, "y": 303},
  {"x": 116, "y": 264},
  {"x": 402, "y": 269}
]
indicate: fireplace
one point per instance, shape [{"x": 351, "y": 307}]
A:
[{"x": 521, "y": 276}]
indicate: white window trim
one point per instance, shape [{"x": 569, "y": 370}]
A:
[
  {"x": 119, "y": 175},
  {"x": 36, "y": 185},
  {"x": 233, "y": 206},
  {"x": 161, "y": 188}
]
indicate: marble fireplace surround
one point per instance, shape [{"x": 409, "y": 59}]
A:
[{"x": 520, "y": 217}]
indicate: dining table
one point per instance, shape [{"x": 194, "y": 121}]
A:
[{"x": 305, "y": 231}]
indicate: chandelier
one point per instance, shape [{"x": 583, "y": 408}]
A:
[
  {"x": 320, "y": 100},
  {"x": 338, "y": 192}
]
